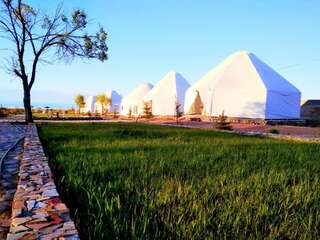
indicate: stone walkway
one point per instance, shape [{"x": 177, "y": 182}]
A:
[
  {"x": 9, "y": 134},
  {"x": 30, "y": 206},
  {"x": 8, "y": 187},
  {"x": 10, "y": 156}
]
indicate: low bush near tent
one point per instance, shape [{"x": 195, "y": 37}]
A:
[
  {"x": 273, "y": 131},
  {"x": 3, "y": 112},
  {"x": 139, "y": 181}
]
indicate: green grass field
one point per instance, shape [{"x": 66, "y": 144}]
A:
[{"x": 151, "y": 182}]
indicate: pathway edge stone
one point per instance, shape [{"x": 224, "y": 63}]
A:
[{"x": 37, "y": 210}]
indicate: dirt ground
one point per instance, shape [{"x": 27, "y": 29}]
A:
[
  {"x": 284, "y": 129},
  {"x": 242, "y": 127}
]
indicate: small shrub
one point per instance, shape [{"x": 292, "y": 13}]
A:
[
  {"x": 273, "y": 131},
  {"x": 223, "y": 123},
  {"x": 115, "y": 114},
  {"x": 3, "y": 112},
  {"x": 178, "y": 113},
  {"x": 147, "y": 110},
  {"x": 130, "y": 113}
]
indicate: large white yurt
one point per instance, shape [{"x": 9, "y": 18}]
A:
[
  {"x": 89, "y": 104},
  {"x": 115, "y": 98},
  {"x": 243, "y": 86},
  {"x": 166, "y": 94},
  {"x": 133, "y": 103}
]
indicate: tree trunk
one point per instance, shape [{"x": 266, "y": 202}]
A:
[{"x": 27, "y": 106}]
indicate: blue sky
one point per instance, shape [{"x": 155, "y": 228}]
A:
[{"x": 149, "y": 38}]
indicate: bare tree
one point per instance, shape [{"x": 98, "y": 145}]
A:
[{"x": 35, "y": 35}]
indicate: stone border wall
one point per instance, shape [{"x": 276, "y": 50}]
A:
[{"x": 37, "y": 211}]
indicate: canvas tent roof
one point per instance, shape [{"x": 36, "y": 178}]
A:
[
  {"x": 166, "y": 93},
  {"x": 134, "y": 100},
  {"x": 244, "y": 86},
  {"x": 138, "y": 93}
]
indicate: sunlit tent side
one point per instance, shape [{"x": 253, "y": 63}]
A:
[
  {"x": 89, "y": 104},
  {"x": 133, "y": 103},
  {"x": 114, "y": 105},
  {"x": 244, "y": 86},
  {"x": 167, "y": 94}
]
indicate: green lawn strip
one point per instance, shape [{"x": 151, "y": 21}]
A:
[{"x": 141, "y": 181}]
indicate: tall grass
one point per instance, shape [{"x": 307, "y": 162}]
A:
[{"x": 151, "y": 182}]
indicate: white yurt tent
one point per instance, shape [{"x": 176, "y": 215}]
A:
[
  {"x": 134, "y": 101},
  {"x": 89, "y": 105},
  {"x": 244, "y": 86},
  {"x": 169, "y": 91},
  {"x": 115, "y": 98}
]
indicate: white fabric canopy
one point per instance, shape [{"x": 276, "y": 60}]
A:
[
  {"x": 168, "y": 91},
  {"x": 244, "y": 86},
  {"x": 134, "y": 101}
]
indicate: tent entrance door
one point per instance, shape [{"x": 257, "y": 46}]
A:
[{"x": 197, "y": 105}]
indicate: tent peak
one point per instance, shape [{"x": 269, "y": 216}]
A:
[
  {"x": 110, "y": 92},
  {"x": 172, "y": 72},
  {"x": 242, "y": 52},
  {"x": 146, "y": 84}
]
